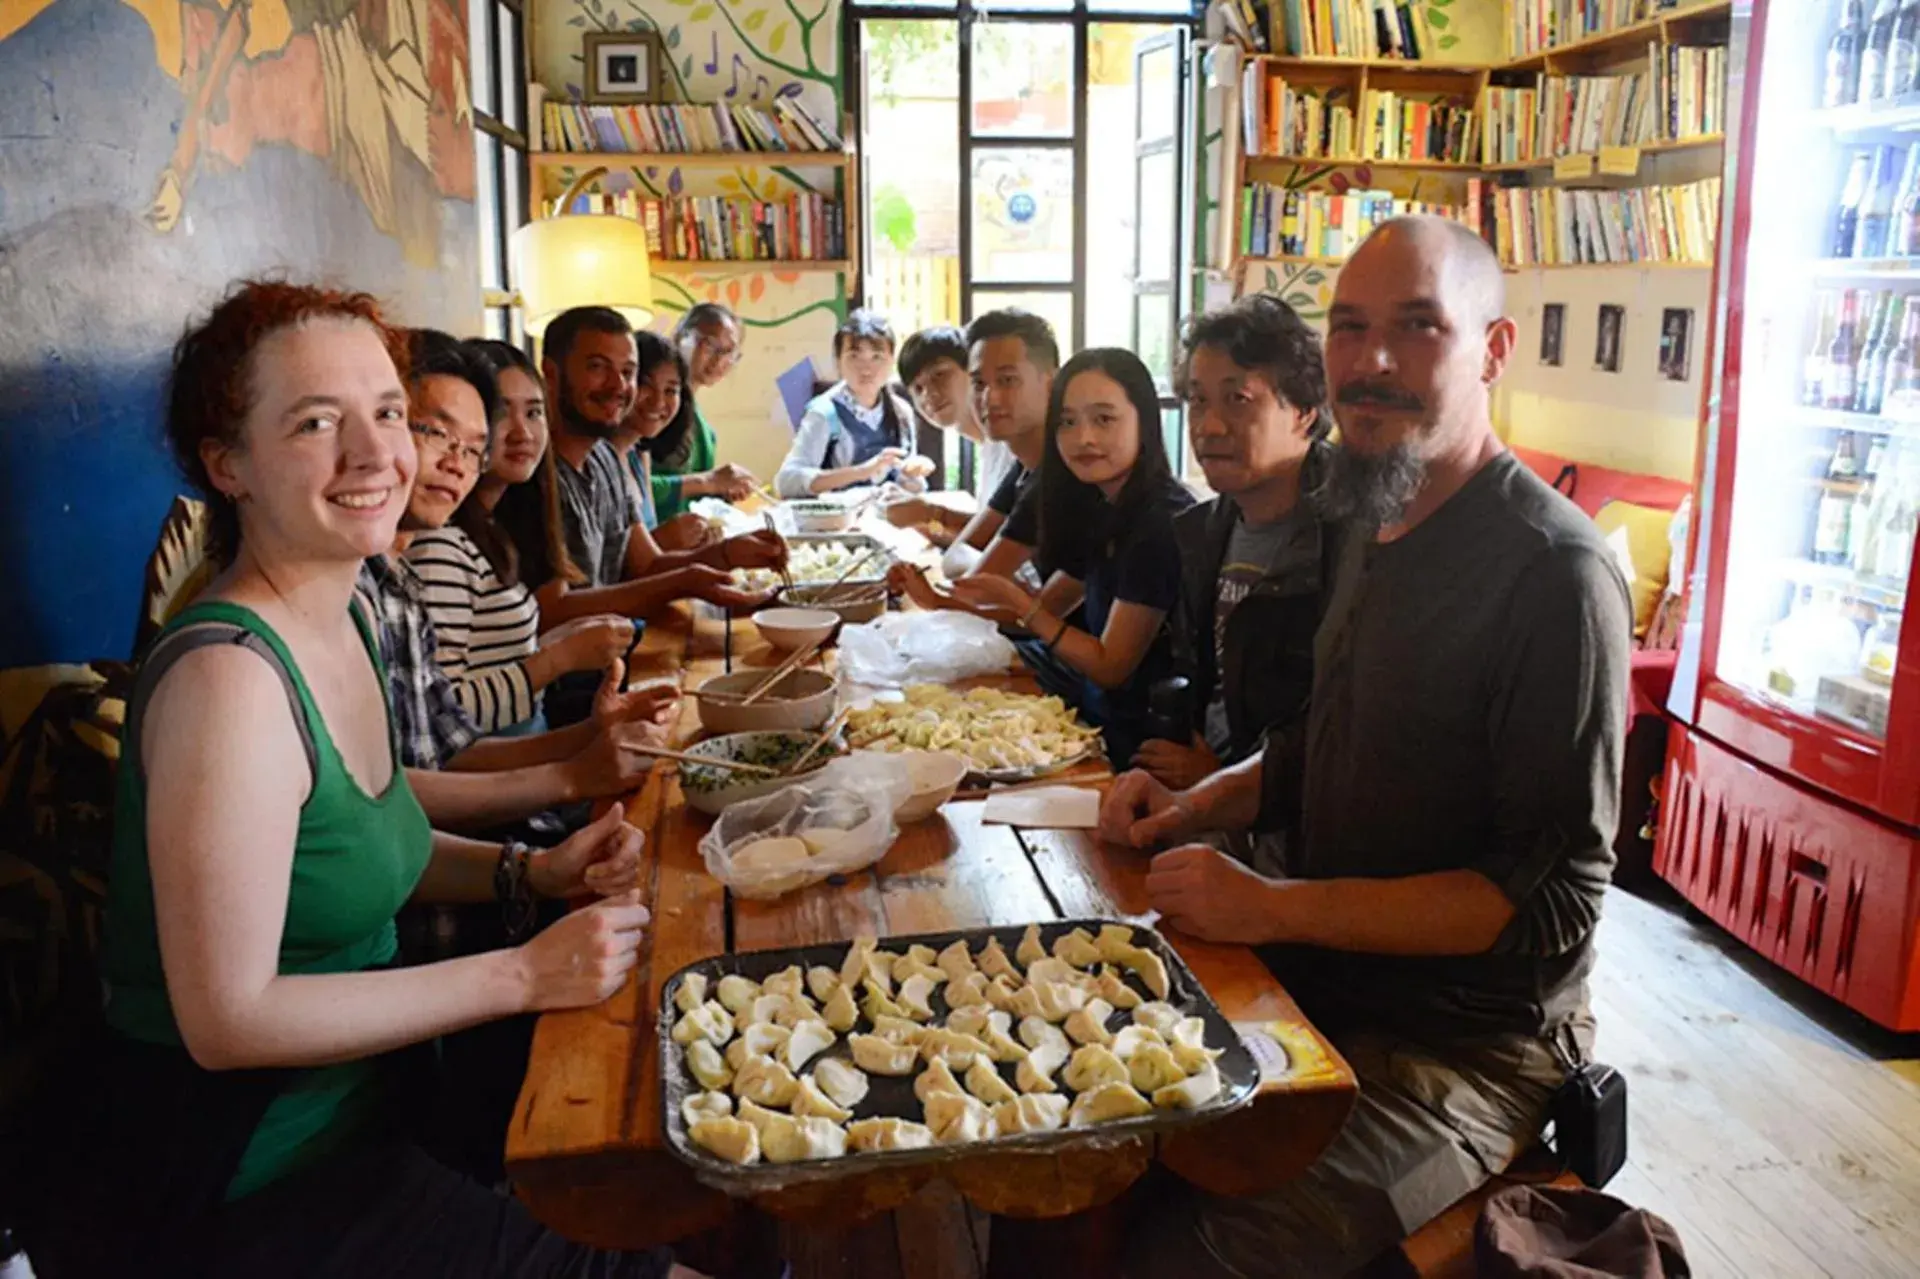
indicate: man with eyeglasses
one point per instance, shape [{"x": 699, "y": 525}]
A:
[{"x": 710, "y": 340}]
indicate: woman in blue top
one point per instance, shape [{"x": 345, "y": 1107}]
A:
[
  {"x": 859, "y": 431},
  {"x": 1108, "y": 496}
]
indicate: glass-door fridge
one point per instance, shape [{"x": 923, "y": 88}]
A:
[{"x": 1791, "y": 808}]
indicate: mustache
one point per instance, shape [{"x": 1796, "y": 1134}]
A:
[{"x": 1380, "y": 393}]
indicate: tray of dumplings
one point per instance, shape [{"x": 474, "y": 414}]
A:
[{"x": 783, "y": 1066}]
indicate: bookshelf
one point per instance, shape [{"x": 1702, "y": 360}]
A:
[
  {"x": 541, "y": 160},
  {"x": 1575, "y": 56}
]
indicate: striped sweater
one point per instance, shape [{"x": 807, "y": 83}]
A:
[{"x": 485, "y": 628}]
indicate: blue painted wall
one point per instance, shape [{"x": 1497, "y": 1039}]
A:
[{"x": 93, "y": 293}]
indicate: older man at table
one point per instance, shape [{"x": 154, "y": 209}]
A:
[{"x": 1458, "y": 789}]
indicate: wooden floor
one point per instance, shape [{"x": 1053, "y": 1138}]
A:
[{"x": 1779, "y": 1133}]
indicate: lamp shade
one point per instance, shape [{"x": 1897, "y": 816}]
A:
[{"x": 581, "y": 259}]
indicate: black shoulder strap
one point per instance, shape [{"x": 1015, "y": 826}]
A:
[{"x": 174, "y": 645}]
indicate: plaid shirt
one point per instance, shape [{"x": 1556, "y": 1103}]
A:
[{"x": 427, "y": 716}]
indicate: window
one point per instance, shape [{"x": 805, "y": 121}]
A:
[{"x": 496, "y": 44}]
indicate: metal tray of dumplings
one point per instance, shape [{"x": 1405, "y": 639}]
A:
[{"x": 894, "y": 1096}]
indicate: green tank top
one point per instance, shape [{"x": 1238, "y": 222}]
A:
[{"x": 356, "y": 860}]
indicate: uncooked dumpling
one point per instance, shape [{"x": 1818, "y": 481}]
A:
[
  {"x": 796, "y": 1009},
  {"x": 1054, "y": 1001},
  {"x": 1038, "y": 1031},
  {"x": 766, "y": 1007},
  {"x": 1057, "y": 971},
  {"x": 959, "y": 1050},
  {"x": 764, "y": 1081},
  {"x": 733, "y": 1140},
  {"x": 706, "y": 1065},
  {"x": 1153, "y": 1067},
  {"x": 841, "y": 1013},
  {"x": 810, "y": 1099},
  {"x": 1163, "y": 1017},
  {"x": 935, "y": 1078},
  {"x": 916, "y": 996},
  {"x": 1108, "y": 1101},
  {"x": 888, "y": 1134},
  {"x": 692, "y": 992},
  {"x": 1092, "y": 1066},
  {"x": 1077, "y": 948},
  {"x": 955, "y": 1117},
  {"x": 984, "y": 1082},
  {"x": 809, "y": 1040},
  {"x": 1030, "y": 1114},
  {"x": 1133, "y": 1038},
  {"x": 754, "y": 1113},
  {"x": 1034, "y": 1073},
  {"x": 901, "y": 1030},
  {"x": 882, "y": 1056},
  {"x": 876, "y": 1003},
  {"x": 1030, "y": 947},
  {"x": 907, "y": 968},
  {"x": 880, "y": 969},
  {"x": 709, "y": 1022},
  {"x": 1001, "y": 992},
  {"x": 1193, "y": 1058},
  {"x": 788, "y": 981},
  {"x": 1089, "y": 1025},
  {"x": 841, "y": 1080},
  {"x": 853, "y": 969},
  {"x": 822, "y": 982},
  {"x": 993, "y": 961},
  {"x": 975, "y": 1020},
  {"x": 1190, "y": 1030},
  {"x": 1000, "y": 1044},
  {"x": 957, "y": 961},
  {"x": 788, "y": 1140},
  {"x": 1194, "y": 1091},
  {"x": 1113, "y": 988},
  {"x": 706, "y": 1105},
  {"x": 737, "y": 992},
  {"x": 1114, "y": 940},
  {"x": 765, "y": 1040},
  {"x": 921, "y": 954},
  {"x": 1151, "y": 968},
  {"x": 968, "y": 991}
]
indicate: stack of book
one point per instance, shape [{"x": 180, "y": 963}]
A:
[
  {"x": 687, "y": 127},
  {"x": 1554, "y": 226},
  {"x": 1695, "y": 91},
  {"x": 1397, "y": 127},
  {"x": 801, "y": 228},
  {"x": 1352, "y": 29},
  {"x": 1278, "y": 222},
  {"x": 1534, "y": 25},
  {"x": 1511, "y": 116},
  {"x": 1277, "y": 119}
]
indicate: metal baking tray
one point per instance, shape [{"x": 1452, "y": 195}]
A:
[
  {"x": 1034, "y": 772},
  {"x": 875, "y": 573},
  {"x": 889, "y": 1096}
]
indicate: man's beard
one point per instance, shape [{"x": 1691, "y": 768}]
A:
[
  {"x": 576, "y": 421},
  {"x": 1372, "y": 490}
]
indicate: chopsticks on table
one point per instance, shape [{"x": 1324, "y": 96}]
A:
[
  {"x": 828, "y": 592},
  {"x": 793, "y": 662},
  {"x": 786, "y": 576},
  {"x": 705, "y": 761},
  {"x": 826, "y": 734},
  {"x": 1089, "y": 779}
]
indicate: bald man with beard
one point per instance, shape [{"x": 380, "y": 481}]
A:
[{"x": 1457, "y": 783}]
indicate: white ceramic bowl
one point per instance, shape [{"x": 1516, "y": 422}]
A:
[
  {"x": 711, "y": 789},
  {"x": 821, "y": 517},
  {"x": 936, "y": 776},
  {"x": 791, "y": 628},
  {"x": 865, "y": 602},
  {"x": 805, "y": 701}
]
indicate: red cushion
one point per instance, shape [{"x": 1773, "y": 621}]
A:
[
  {"x": 1650, "y": 680},
  {"x": 1592, "y": 487}
]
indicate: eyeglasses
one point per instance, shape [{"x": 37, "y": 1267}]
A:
[
  {"x": 712, "y": 349},
  {"x": 444, "y": 444}
]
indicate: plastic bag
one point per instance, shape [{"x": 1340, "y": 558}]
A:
[
  {"x": 734, "y": 521},
  {"x": 922, "y": 648},
  {"x": 837, "y": 821}
]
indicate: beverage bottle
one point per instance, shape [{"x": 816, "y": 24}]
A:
[
  {"x": 1890, "y": 342},
  {"x": 1873, "y": 355},
  {"x": 1843, "y": 56},
  {"x": 1830, "y": 526},
  {"x": 1903, "y": 235},
  {"x": 1876, "y": 453},
  {"x": 1876, "y": 210},
  {"x": 1859, "y": 525},
  {"x": 1845, "y": 463},
  {"x": 1813, "y": 369},
  {"x": 1894, "y": 555},
  {"x": 1843, "y": 353},
  {"x": 1874, "y": 55},
  {"x": 1903, "y": 58},
  {"x": 1847, "y": 222}
]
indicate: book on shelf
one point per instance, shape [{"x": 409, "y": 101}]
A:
[
  {"x": 1281, "y": 222},
  {"x": 1374, "y": 29},
  {"x": 1557, "y": 226},
  {"x": 1695, "y": 96},
  {"x": 689, "y": 127},
  {"x": 801, "y": 228},
  {"x": 1398, "y": 127},
  {"x": 1277, "y": 119},
  {"x": 1536, "y": 26}
]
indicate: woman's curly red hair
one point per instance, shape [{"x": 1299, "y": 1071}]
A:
[{"x": 211, "y": 391}]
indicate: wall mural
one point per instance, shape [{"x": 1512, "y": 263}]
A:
[
  {"x": 156, "y": 151},
  {"x": 747, "y": 51}
]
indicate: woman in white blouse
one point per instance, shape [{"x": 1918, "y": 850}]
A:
[{"x": 485, "y": 620}]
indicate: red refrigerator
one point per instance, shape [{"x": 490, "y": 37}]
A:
[{"x": 1791, "y": 806}]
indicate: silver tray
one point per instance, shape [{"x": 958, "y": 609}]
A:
[
  {"x": 893, "y": 1096},
  {"x": 1034, "y": 772}
]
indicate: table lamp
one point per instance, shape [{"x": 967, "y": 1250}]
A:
[{"x": 581, "y": 259}]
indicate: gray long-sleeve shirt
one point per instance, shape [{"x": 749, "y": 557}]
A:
[{"x": 1468, "y": 711}]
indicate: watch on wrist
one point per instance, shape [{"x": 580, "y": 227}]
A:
[{"x": 514, "y": 889}]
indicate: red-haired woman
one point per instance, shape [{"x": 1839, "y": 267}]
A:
[{"x": 251, "y": 1083}]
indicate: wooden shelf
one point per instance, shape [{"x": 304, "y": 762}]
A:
[
  {"x": 1901, "y": 114},
  {"x": 693, "y": 159},
  {"x": 731, "y": 266},
  {"x": 1293, "y": 261},
  {"x": 1454, "y": 166},
  {"x": 1646, "y": 148},
  {"x": 1286, "y": 62},
  {"x": 1511, "y": 269},
  {"x": 1631, "y": 37}
]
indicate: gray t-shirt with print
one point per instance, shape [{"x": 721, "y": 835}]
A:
[
  {"x": 1254, "y": 551},
  {"x": 598, "y": 511}
]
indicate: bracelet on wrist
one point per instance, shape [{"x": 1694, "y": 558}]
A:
[
  {"x": 1026, "y": 620},
  {"x": 514, "y": 890},
  {"x": 1057, "y": 635}
]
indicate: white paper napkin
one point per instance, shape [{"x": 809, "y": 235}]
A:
[{"x": 1045, "y": 808}]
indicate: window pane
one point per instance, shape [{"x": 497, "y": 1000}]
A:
[
  {"x": 513, "y": 194},
  {"x": 1023, "y": 214},
  {"x": 495, "y": 324},
  {"x": 911, "y": 128},
  {"x": 1157, "y": 195},
  {"x": 1153, "y": 316},
  {"x": 1015, "y": 6},
  {"x": 486, "y": 180},
  {"x": 1055, "y": 308},
  {"x": 480, "y": 55},
  {"x": 1023, "y": 79},
  {"x": 1178, "y": 8},
  {"x": 512, "y": 76}
]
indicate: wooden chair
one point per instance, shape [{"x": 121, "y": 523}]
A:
[
  {"x": 1443, "y": 1248},
  {"x": 178, "y": 570}
]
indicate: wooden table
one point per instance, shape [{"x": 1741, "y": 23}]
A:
[{"x": 585, "y": 1147}]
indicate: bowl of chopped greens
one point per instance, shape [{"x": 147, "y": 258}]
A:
[
  {"x": 821, "y": 517},
  {"x": 712, "y": 789}
]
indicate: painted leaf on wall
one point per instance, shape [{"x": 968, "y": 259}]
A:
[
  {"x": 757, "y": 288},
  {"x": 777, "y": 40},
  {"x": 755, "y": 20},
  {"x": 700, "y": 13},
  {"x": 673, "y": 37},
  {"x": 733, "y": 293},
  {"x": 1438, "y": 20},
  {"x": 686, "y": 65}
]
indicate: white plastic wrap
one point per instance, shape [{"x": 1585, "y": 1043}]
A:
[
  {"x": 841, "y": 816},
  {"x": 922, "y": 648},
  {"x": 734, "y": 521}
]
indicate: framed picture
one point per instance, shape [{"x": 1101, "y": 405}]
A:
[
  {"x": 625, "y": 66},
  {"x": 1606, "y": 342},
  {"x": 1676, "y": 342},
  {"x": 1553, "y": 329}
]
